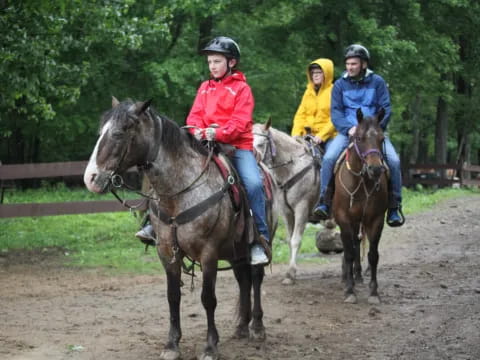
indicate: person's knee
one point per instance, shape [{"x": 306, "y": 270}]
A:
[
  {"x": 393, "y": 162},
  {"x": 253, "y": 185},
  {"x": 329, "y": 160}
]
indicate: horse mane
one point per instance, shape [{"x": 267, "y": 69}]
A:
[
  {"x": 291, "y": 142},
  {"x": 171, "y": 134}
]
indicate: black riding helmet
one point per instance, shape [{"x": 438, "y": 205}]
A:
[
  {"x": 357, "y": 50},
  {"x": 223, "y": 45}
]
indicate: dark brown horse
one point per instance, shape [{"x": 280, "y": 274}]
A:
[
  {"x": 360, "y": 201},
  {"x": 191, "y": 211}
]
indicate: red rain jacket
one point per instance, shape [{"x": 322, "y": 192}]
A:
[{"x": 228, "y": 103}]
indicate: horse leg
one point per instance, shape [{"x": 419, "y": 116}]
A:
[
  {"x": 348, "y": 238},
  {"x": 357, "y": 265},
  {"x": 292, "y": 267},
  {"x": 244, "y": 278},
  {"x": 374, "y": 234},
  {"x": 257, "y": 330},
  {"x": 295, "y": 242},
  {"x": 209, "y": 301},
  {"x": 171, "y": 350}
]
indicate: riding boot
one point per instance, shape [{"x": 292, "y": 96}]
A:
[
  {"x": 394, "y": 213},
  {"x": 324, "y": 205}
]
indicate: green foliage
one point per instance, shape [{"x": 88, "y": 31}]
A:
[{"x": 60, "y": 61}]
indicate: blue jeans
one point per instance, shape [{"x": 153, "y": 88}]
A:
[
  {"x": 247, "y": 168},
  {"x": 335, "y": 146}
]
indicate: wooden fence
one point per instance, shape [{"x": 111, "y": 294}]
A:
[
  {"x": 425, "y": 174},
  {"x": 441, "y": 175},
  {"x": 49, "y": 170}
]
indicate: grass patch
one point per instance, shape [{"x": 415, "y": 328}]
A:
[{"x": 107, "y": 240}]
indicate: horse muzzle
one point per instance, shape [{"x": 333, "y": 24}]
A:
[
  {"x": 98, "y": 182},
  {"x": 375, "y": 171}
]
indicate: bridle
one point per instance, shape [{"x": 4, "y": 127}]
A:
[
  {"x": 363, "y": 158},
  {"x": 117, "y": 181},
  {"x": 361, "y": 174}
]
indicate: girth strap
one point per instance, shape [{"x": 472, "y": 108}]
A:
[
  {"x": 195, "y": 211},
  {"x": 188, "y": 215}
]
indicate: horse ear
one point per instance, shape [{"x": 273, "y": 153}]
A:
[
  {"x": 380, "y": 115},
  {"x": 268, "y": 123},
  {"x": 142, "y": 107},
  {"x": 359, "y": 115},
  {"x": 115, "y": 102}
]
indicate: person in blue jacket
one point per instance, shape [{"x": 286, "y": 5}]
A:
[{"x": 359, "y": 87}]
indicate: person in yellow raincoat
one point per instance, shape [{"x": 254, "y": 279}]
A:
[{"x": 314, "y": 110}]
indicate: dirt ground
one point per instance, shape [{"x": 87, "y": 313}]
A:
[{"x": 429, "y": 283}]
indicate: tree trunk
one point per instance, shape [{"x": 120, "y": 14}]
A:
[
  {"x": 441, "y": 134},
  {"x": 415, "y": 121}
]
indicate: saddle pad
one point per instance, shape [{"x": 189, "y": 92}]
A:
[
  {"x": 225, "y": 167},
  {"x": 267, "y": 184}
]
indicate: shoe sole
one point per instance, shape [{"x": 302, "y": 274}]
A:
[{"x": 321, "y": 215}]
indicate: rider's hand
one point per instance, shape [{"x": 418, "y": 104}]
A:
[
  {"x": 198, "y": 133},
  {"x": 210, "y": 134},
  {"x": 317, "y": 140},
  {"x": 352, "y": 130}
]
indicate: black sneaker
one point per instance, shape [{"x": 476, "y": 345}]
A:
[{"x": 322, "y": 211}]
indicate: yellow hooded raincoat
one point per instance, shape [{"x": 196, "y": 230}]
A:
[{"x": 314, "y": 110}]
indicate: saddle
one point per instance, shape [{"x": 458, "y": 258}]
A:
[{"x": 244, "y": 220}]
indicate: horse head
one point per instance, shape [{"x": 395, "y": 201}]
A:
[
  {"x": 263, "y": 144},
  {"x": 126, "y": 138},
  {"x": 367, "y": 141}
]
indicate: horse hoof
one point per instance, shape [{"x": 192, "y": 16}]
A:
[
  {"x": 374, "y": 300},
  {"x": 258, "y": 335},
  {"x": 288, "y": 281},
  {"x": 350, "y": 299},
  {"x": 170, "y": 355},
  {"x": 241, "y": 333},
  {"x": 208, "y": 356}
]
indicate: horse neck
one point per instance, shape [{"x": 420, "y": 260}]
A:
[
  {"x": 174, "y": 169},
  {"x": 288, "y": 152}
]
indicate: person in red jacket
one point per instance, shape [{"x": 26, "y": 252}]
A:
[{"x": 226, "y": 101}]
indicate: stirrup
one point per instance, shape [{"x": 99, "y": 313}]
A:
[{"x": 397, "y": 223}]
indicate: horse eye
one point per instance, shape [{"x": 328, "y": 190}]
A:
[{"x": 118, "y": 134}]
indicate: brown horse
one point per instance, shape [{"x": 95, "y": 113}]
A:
[
  {"x": 191, "y": 211},
  {"x": 361, "y": 200}
]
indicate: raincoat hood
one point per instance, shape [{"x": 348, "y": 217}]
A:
[{"x": 327, "y": 68}]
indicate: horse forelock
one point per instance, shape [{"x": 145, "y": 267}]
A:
[
  {"x": 119, "y": 115},
  {"x": 369, "y": 128}
]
